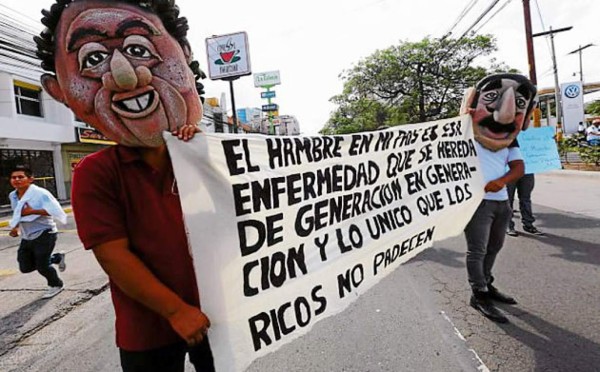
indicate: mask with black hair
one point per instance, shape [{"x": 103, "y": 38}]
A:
[
  {"x": 500, "y": 105},
  {"x": 124, "y": 67}
]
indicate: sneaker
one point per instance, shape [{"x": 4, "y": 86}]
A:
[
  {"x": 62, "y": 264},
  {"x": 533, "y": 230},
  {"x": 52, "y": 291},
  {"x": 512, "y": 232}
]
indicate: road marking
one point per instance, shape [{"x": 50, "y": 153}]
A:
[
  {"x": 481, "y": 367},
  {"x": 8, "y": 272}
]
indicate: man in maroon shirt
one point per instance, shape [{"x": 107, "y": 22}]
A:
[{"x": 125, "y": 68}]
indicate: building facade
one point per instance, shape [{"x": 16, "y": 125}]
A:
[{"x": 40, "y": 133}]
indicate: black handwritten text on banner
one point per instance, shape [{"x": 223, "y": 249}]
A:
[{"x": 286, "y": 231}]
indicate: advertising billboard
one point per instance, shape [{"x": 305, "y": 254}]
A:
[
  {"x": 228, "y": 56},
  {"x": 267, "y": 79}
]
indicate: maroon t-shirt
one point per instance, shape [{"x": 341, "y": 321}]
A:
[{"x": 116, "y": 195}]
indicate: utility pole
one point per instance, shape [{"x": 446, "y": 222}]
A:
[
  {"x": 581, "y": 48},
  {"x": 529, "y": 39},
  {"x": 556, "y": 86},
  {"x": 531, "y": 58}
]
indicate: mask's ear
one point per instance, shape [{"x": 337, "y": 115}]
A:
[
  {"x": 52, "y": 87},
  {"x": 467, "y": 101}
]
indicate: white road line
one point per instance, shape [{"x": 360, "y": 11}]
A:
[{"x": 481, "y": 367}]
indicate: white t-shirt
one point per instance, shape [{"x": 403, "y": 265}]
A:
[
  {"x": 590, "y": 136},
  {"x": 494, "y": 165}
]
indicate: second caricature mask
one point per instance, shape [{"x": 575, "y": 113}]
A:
[{"x": 502, "y": 105}]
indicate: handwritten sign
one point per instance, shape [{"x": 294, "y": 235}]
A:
[
  {"x": 286, "y": 231},
  {"x": 539, "y": 150}
]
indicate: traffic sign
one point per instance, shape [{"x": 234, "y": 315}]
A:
[
  {"x": 268, "y": 94},
  {"x": 270, "y": 107}
]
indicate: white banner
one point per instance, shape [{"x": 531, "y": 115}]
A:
[
  {"x": 572, "y": 105},
  {"x": 286, "y": 231}
]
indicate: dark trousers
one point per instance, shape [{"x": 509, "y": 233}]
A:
[
  {"x": 485, "y": 236},
  {"x": 524, "y": 187},
  {"x": 36, "y": 255},
  {"x": 168, "y": 359}
]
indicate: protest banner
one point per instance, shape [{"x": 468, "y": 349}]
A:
[
  {"x": 286, "y": 231},
  {"x": 539, "y": 150}
]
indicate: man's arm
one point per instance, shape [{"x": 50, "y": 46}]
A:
[
  {"x": 14, "y": 232},
  {"x": 27, "y": 210},
  {"x": 133, "y": 277},
  {"x": 516, "y": 171}
]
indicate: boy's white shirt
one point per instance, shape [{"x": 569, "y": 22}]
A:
[{"x": 37, "y": 198}]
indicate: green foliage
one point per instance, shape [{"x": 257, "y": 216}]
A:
[
  {"x": 563, "y": 147},
  {"x": 409, "y": 83},
  {"x": 590, "y": 154},
  {"x": 593, "y": 108}
]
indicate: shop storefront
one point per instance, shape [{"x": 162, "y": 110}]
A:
[{"x": 89, "y": 141}]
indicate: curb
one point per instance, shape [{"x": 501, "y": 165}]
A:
[
  {"x": 570, "y": 173},
  {"x": 5, "y": 222}
]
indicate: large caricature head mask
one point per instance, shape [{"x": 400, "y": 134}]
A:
[
  {"x": 501, "y": 106},
  {"x": 124, "y": 67}
]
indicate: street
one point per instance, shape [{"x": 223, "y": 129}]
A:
[{"x": 416, "y": 319}]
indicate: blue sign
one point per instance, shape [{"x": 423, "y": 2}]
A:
[
  {"x": 241, "y": 114},
  {"x": 539, "y": 150},
  {"x": 270, "y": 107},
  {"x": 269, "y": 94}
]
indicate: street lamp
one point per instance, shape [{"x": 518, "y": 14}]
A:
[{"x": 580, "y": 50}]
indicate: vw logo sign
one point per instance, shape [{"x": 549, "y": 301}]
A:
[{"x": 572, "y": 91}]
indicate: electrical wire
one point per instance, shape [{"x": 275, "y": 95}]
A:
[
  {"x": 462, "y": 15},
  {"x": 485, "y": 12},
  {"x": 492, "y": 16}
]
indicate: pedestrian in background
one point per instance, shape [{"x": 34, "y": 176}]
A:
[
  {"x": 524, "y": 187},
  {"x": 34, "y": 209},
  {"x": 593, "y": 133}
]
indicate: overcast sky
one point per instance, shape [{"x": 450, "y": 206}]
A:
[{"x": 312, "y": 41}]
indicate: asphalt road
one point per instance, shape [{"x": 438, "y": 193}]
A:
[{"x": 416, "y": 319}]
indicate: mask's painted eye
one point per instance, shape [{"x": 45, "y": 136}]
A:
[
  {"x": 94, "y": 59},
  {"x": 490, "y": 96},
  {"x": 137, "y": 51},
  {"x": 521, "y": 103}
]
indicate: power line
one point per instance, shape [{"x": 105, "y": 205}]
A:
[
  {"x": 462, "y": 15},
  {"x": 485, "y": 12},
  {"x": 539, "y": 11},
  {"x": 493, "y": 15}
]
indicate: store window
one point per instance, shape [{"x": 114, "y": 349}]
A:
[{"x": 28, "y": 99}]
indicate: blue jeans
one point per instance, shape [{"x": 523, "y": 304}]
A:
[
  {"x": 36, "y": 255},
  {"x": 169, "y": 358},
  {"x": 485, "y": 235},
  {"x": 524, "y": 187}
]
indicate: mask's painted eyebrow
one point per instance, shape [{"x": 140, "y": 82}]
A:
[
  {"x": 135, "y": 23},
  {"x": 83, "y": 33},
  {"x": 495, "y": 84},
  {"x": 524, "y": 91}
]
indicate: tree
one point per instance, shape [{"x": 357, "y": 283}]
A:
[
  {"x": 409, "y": 83},
  {"x": 593, "y": 108}
]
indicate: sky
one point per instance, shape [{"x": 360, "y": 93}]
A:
[{"x": 311, "y": 42}]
